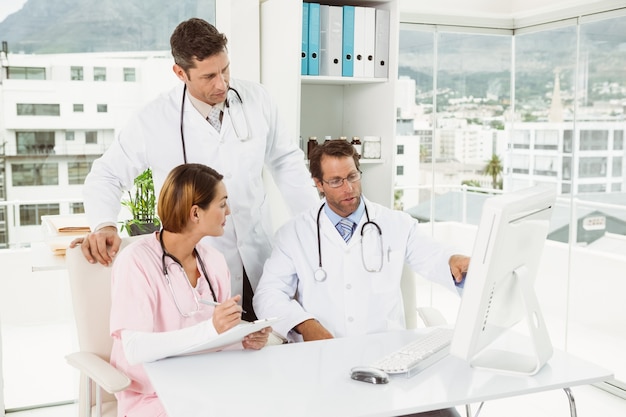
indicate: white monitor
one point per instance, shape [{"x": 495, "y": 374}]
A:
[{"x": 499, "y": 286}]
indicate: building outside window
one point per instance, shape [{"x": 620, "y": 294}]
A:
[
  {"x": 76, "y": 73},
  {"x": 77, "y": 171},
  {"x": 34, "y": 174},
  {"x": 91, "y": 137},
  {"x": 77, "y": 208},
  {"x": 29, "y": 143},
  {"x": 99, "y": 74},
  {"x": 36, "y": 109},
  {"x": 30, "y": 214},
  {"x": 129, "y": 75},
  {"x": 26, "y": 73}
]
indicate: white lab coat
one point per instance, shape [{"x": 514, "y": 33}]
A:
[
  {"x": 351, "y": 301},
  {"x": 153, "y": 139}
]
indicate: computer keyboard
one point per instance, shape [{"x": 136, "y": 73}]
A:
[{"x": 418, "y": 355}]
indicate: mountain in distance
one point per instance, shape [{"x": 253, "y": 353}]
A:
[{"x": 73, "y": 26}]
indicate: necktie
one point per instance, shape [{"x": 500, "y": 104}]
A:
[
  {"x": 345, "y": 227},
  {"x": 214, "y": 118}
]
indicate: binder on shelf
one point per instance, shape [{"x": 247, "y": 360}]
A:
[
  {"x": 331, "y": 22},
  {"x": 359, "y": 41},
  {"x": 381, "y": 48},
  {"x": 314, "y": 39},
  {"x": 370, "y": 42},
  {"x": 347, "y": 64},
  {"x": 304, "y": 59}
]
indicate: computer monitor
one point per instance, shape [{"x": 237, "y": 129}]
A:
[{"x": 499, "y": 287}]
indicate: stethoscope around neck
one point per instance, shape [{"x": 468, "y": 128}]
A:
[
  {"x": 166, "y": 254},
  {"x": 320, "y": 274},
  {"x": 241, "y": 131}
]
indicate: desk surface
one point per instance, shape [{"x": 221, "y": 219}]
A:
[
  {"x": 312, "y": 379},
  {"x": 44, "y": 259}
]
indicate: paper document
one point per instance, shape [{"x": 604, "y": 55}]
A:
[{"x": 229, "y": 337}]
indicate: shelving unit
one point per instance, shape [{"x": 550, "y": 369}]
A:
[{"x": 335, "y": 106}]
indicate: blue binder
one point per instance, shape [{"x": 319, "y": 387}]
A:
[
  {"x": 314, "y": 39},
  {"x": 347, "y": 69},
  {"x": 304, "y": 61}
]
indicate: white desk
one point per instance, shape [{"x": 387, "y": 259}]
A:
[
  {"x": 312, "y": 379},
  {"x": 44, "y": 259}
]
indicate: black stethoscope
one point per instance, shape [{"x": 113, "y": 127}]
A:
[
  {"x": 244, "y": 134},
  {"x": 166, "y": 254},
  {"x": 320, "y": 274}
]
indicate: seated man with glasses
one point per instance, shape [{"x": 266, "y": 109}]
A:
[{"x": 335, "y": 270}]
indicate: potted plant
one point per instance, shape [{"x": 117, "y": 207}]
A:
[{"x": 142, "y": 205}]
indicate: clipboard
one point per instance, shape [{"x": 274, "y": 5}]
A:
[{"x": 229, "y": 337}]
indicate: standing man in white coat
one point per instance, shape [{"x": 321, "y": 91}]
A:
[{"x": 177, "y": 127}]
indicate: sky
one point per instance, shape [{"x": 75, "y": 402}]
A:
[{"x": 10, "y": 6}]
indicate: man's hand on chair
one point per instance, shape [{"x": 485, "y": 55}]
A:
[{"x": 100, "y": 246}]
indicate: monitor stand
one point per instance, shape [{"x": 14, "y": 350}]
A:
[{"x": 540, "y": 345}]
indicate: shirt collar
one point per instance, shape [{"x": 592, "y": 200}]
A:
[
  {"x": 355, "y": 216},
  {"x": 203, "y": 107}
]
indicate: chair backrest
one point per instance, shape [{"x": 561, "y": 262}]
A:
[
  {"x": 409, "y": 297},
  {"x": 90, "y": 285}
]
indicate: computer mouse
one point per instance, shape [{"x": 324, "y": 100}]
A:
[{"x": 369, "y": 374}]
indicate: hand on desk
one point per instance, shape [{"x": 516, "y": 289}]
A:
[
  {"x": 100, "y": 246},
  {"x": 312, "y": 330}
]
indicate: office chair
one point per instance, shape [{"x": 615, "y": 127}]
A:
[
  {"x": 90, "y": 286},
  {"x": 430, "y": 316}
]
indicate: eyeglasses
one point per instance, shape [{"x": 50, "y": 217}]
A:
[{"x": 338, "y": 182}]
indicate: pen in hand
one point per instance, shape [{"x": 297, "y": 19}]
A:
[{"x": 214, "y": 304}]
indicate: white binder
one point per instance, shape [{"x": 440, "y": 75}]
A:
[
  {"x": 370, "y": 41},
  {"x": 359, "y": 41},
  {"x": 381, "y": 50},
  {"x": 331, "y": 34}
]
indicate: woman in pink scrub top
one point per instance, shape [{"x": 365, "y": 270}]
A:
[{"x": 159, "y": 284}]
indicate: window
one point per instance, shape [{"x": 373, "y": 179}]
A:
[
  {"x": 545, "y": 165},
  {"x": 592, "y": 167},
  {"x": 521, "y": 139},
  {"x": 520, "y": 164},
  {"x": 594, "y": 140},
  {"x": 79, "y": 108},
  {"x": 29, "y": 143},
  {"x": 399, "y": 170},
  {"x": 99, "y": 74},
  {"x": 77, "y": 208},
  {"x": 30, "y": 214},
  {"x": 76, "y": 73},
  {"x": 618, "y": 140},
  {"x": 102, "y": 108},
  {"x": 129, "y": 74},
  {"x": 77, "y": 171},
  {"x": 547, "y": 139},
  {"x": 26, "y": 73},
  {"x": 400, "y": 150},
  {"x": 69, "y": 135},
  {"x": 617, "y": 166},
  {"x": 91, "y": 136},
  {"x": 33, "y": 174},
  {"x": 26, "y": 109}
]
